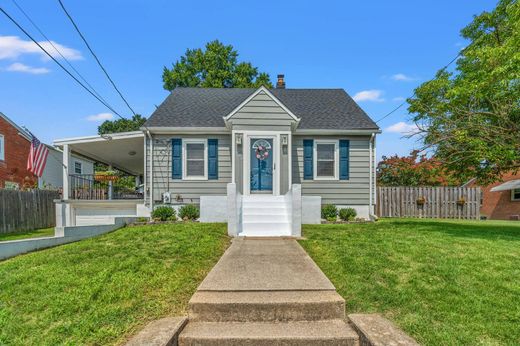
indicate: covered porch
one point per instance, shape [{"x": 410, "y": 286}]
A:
[{"x": 98, "y": 198}]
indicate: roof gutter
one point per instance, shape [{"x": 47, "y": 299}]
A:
[
  {"x": 367, "y": 132},
  {"x": 186, "y": 130}
]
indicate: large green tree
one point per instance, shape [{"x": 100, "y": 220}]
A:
[
  {"x": 121, "y": 125},
  {"x": 470, "y": 117},
  {"x": 215, "y": 67}
]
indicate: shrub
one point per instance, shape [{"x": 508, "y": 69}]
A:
[
  {"x": 347, "y": 214},
  {"x": 189, "y": 212},
  {"x": 164, "y": 213},
  {"x": 329, "y": 212}
]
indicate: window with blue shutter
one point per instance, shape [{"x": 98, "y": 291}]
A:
[
  {"x": 308, "y": 149},
  {"x": 176, "y": 158},
  {"x": 212, "y": 159},
  {"x": 344, "y": 151}
]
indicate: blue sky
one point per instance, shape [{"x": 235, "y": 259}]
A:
[{"x": 377, "y": 50}]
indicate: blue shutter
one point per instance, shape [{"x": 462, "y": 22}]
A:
[
  {"x": 176, "y": 158},
  {"x": 212, "y": 159},
  {"x": 308, "y": 149},
  {"x": 344, "y": 149}
]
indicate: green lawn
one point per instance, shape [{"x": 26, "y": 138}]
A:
[
  {"x": 44, "y": 232},
  {"x": 102, "y": 290},
  {"x": 443, "y": 282}
]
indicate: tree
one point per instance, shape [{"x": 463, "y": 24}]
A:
[
  {"x": 414, "y": 170},
  {"x": 214, "y": 67},
  {"x": 121, "y": 125},
  {"x": 470, "y": 117}
]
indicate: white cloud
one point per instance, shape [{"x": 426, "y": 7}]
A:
[
  {"x": 100, "y": 117},
  {"x": 19, "y": 67},
  {"x": 402, "y": 128},
  {"x": 11, "y": 47},
  {"x": 369, "y": 95},
  {"x": 398, "y": 98},
  {"x": 402, "y": 77}
]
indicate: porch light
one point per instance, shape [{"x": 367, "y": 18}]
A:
[{"x": 239, "y": 139}]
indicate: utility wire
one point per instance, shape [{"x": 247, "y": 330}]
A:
[
  {"x": 57, "y": 50},
  {"x": 404, "y": 102},
  {"x": 95, "y": 56},
  {"x": 58, "y": 63}
]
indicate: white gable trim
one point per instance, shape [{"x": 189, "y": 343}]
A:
[{"x": 265, "y": 90}]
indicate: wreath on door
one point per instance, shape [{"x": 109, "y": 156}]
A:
[{"x": 261, "y": 149}]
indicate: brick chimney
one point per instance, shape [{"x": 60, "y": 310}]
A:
[{"x": 280, "y": 84}]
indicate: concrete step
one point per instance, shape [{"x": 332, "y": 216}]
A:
[
  {"x": 272, "y": 205},
  {"x": 317, "y": 333},
  {"x": 263, "y": 198},
  {"x": 265, "y": 228},
  {"x": 266, "y": 211},
  {"x": 266, "y": 306},
  {"x": 282, "y": 217}
]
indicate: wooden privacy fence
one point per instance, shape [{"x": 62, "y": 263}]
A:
[
  {"x": 27, "y": 210},
  {"x": 429, "y": 202}
]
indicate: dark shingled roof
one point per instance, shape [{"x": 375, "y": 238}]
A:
[{"x": 205, "y": 107}]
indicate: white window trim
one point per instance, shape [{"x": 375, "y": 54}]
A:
[
  {"x": 2, "y": 147},
  {"x": 185, "y": 142},
  {"x": 513, "y": 196},
  {"x": 80, "y": 167},
  {"x": 336, "y": 158}
]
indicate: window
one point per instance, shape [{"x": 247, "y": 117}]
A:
[
  {"x": 325, "y": 159},
  {"x": 195, "y": 164},
  {"x": 78, "y": 167},
  {"x": 2, "y": 148},
  {"x": 515, "y": 195}
]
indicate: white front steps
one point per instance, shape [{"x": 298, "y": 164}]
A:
[{"x": 266, "y": 216}]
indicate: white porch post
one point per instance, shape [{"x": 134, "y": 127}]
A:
[
  {"x": 65, "y": 164},
  {"x": 110, "y": 186}
]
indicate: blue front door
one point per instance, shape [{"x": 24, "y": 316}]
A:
[{"x": 261, "y": 164}]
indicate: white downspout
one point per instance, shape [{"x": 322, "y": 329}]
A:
[{"x": 65, "y": 164}]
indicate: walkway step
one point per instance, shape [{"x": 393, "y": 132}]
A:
[
  {"x": 266, "y": 306},
  {"x": 317, "y": 333}
]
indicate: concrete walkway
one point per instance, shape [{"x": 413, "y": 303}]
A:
[
  {"x": 266, "y": 265},
  {"x": 266, "y": 292}
]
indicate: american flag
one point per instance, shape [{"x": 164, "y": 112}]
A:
[{"x": 37, "y": 157}]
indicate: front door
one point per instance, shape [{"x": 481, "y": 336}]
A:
[{"x": 261, "y": 165}]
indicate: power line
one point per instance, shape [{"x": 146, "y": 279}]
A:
[
  {"x": 95, "y": 56},
  {"x": 57, "y": 50},
  {"x": 402, "y": 104},
  {"x": 58, "y": 63}
]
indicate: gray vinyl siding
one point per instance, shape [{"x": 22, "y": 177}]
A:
[
  {"x": 354, "y": 191},
  {"x": 261, "y": 113},
  {"x": 190, "y": 190}
]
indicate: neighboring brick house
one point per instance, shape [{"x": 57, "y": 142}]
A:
[
  {"x": 14, "y": 148},
  {"x": 501, "y": 200}
]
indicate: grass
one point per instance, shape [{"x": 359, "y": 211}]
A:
[
  {"x": 102, "y": 290},
  {"x": 443, "y": 282},
  {"x": 44, "y": 232}
]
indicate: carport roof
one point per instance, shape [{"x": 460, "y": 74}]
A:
[{"x": 124, "y": 151}]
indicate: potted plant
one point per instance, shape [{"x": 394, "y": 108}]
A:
[{"x": 106, "y": 176}]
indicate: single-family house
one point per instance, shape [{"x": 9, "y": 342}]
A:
[
  {"x": 52, "y": 176},
  {"x": 15, "y": 143},
  {"x": 14, "y": 148},
  {"x": 500, "y": 200},
  {"x": 263, "y": 160}
]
